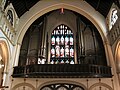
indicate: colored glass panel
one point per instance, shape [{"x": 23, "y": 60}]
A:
[{"x": 62, "y": 45}]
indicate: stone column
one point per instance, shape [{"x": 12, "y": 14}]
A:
[
  {"x": 16, "y": 54},
  {"x": 111, "y": 63},
  {"x": 13, "y": 61}
]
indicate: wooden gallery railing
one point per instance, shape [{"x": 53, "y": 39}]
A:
[{"x": 62, "y": 70}]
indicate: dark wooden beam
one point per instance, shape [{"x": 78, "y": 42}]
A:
[
  {"x": 117, "y": 2},
  {"x": 26, "y": 5},
  {"x": 3, "y": 87},
  {"x": 98, "y": 5}
]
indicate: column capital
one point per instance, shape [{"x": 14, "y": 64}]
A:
[{"x": 106, "y": 42}]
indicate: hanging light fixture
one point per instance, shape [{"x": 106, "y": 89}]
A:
[{"x": 62, "y": 11}]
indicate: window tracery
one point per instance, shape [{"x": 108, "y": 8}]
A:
[
  {"x": 113, "y": 18},
  {"x": 62, "y": 45},
  {"x": 10, "y": 16},
  {"x": 62, "y": 86}
]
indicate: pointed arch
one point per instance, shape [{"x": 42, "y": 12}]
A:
[
  {"x": 28, "y": 18},
  {"x": 100, "y": 84},
  {"x": 62, "y": 45},
  {"x": 22, "y": 85},
  {"x": 62, "y": 82}
]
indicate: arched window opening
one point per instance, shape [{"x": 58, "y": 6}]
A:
[
  {"x": 46, "y": 88},
  {"x": 62, "y": 86},
  {"x": 113, "y": 18},
  {"x": 62, "y": 45},
  {"x": 10, "y": 16},
  {"x": 100, "y": 86},
  {"x": 23, "y": 86}
]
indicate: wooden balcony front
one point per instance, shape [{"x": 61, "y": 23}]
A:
[{"x": 62, "y": 71}]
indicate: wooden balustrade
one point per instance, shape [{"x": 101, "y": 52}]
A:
[{"x": 62, "y": 70}]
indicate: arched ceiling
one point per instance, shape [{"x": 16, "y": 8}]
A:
[{"x": 102, "y": 6}]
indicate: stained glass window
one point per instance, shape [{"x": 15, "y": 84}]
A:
[
  {"x": 46, "y": 88},
  {"x": 62, "y": 45},
  {"x": 113, "y": 18},
  {"x": 77, "y": 88},
  {"x": 61, "y": 88},
  {"x": 10, "y": 16}
]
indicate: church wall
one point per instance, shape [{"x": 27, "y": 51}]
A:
[
  {"x": 114, "y": 37},
  {"x": 21, "y": 28},
  {"x": 90, "y": 83}
]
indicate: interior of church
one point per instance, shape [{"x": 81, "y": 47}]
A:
[{"x": 59, "y": 45}]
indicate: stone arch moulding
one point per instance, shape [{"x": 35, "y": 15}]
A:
[
  {"x": 5, "y": 49},
  {"x": 23, "y": 84},
  {"x": 61, "y": 81},
  {"x": 100, "y": 84},
  {"x": 4, "y": 46},
  {"x": 42, "y": 7},
  {"x": 116, "y": 56}
]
